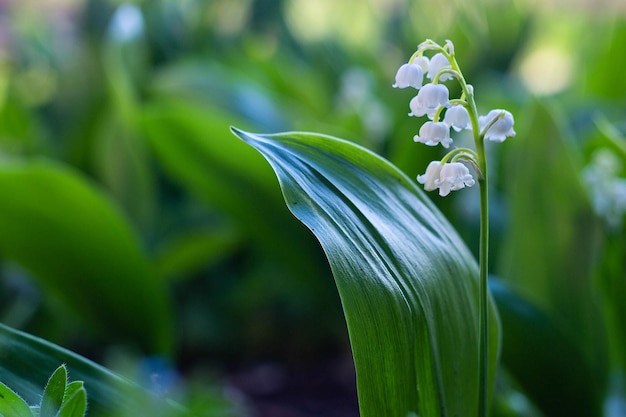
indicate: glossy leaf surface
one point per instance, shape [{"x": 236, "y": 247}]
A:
[{"x": 407, "y": 282}]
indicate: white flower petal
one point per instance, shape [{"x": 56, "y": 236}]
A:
[
  {"x": 423, "y": 62},
  {"x": 409, "y": 75},
  {"x": 434, "y": 133},
  {"x": 429, "y": 99},
  {"x": 437, "y": 63},
  {"x": 458, "y": 118},
  {"x": 501, "y": 125},
  {"x": 453, "y": 176},
  {"x": 430, "y": 176}
]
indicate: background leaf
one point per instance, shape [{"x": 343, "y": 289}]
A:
[
  {"x": 548, "y": 256},
  {"x": 80, "y": 249},
  {"x": 558, "y": 370},
  {"x": 407, "y": 282}
]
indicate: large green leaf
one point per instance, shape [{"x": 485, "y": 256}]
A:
[
  {"x": 78, "y": 246},
  {"x": 407, "y": 282}
]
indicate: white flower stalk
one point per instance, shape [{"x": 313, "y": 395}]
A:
[
  {"x": 450, "y": 175},
  {"x": 429, "y": 99},
  {"x": 434, "y": 133},
  {"x": 409, "y": 75},
  {"x": 499, "y": 125},
  {"x": 453, "y": 176},
  {"x": 457, "y": 118},
  {"x": 430, "y": 176},
  {"x": 437, "y": 63}
]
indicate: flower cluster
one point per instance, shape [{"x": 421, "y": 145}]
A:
[
  {"x": 607, "y": 188},
  {"x": 433, "y": 100}
]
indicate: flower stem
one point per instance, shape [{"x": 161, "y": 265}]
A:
[
  {"x": 483, "y": 260},
  {"x": 483, "y": 251},
  {"x": 483, "y": 329}
]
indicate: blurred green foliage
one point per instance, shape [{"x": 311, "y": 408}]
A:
[{"x": 131, "y": 217}]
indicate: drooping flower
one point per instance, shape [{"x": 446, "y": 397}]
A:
[
  {"x": 452, "y": 177},
  {"x": 457, "y": 118},
  {"x": 437, "y": 63},
  {"x": 429, "y": 99},
  {"x": 409, "y": 75},
  {"x": 430, "y": 176},
  {"x": 434, "y": 133},
  {"x": 423, "y": 62},
  {"x": 501, "y": 122}
]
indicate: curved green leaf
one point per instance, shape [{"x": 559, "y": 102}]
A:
[
  {"x": 28, "y": 361},
  {"x": 407, "y": 282},
  {"x": 12, "y": 405},
  {"x": 76, "y": 405},
  {"x": 53, "y": 393},
  {"x": 81, "y": 251}
]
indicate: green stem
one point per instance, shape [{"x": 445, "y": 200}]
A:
[
  {"x": 483, "y": 252},
  {"x": 483, "y": 311},
  {"x": 481, "y": 165},
  {"x": 483, "y": 259}
]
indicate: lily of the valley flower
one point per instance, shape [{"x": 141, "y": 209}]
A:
[
  {"x": 434, "y": 133},
  {"x": 452, "y": 177},
  {"x": 437, "y": 63},
  {"x": 429, "y": 99},
  {"x": 446, "y": 177},
  {"x": 409, "y": 75},
  {"x": 430, "y": 176},
  {"x": 433, "y": 100},
  {"x": 501, "y": 122},
  {"x": 457, "y": 118}
]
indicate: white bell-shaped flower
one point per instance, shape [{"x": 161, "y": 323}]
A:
[
  {"x": 434, "y": 133},
  {"x": 457, "y": 118},
  {"x": 409, "y": 75},
  {"x": 429, "y": 99},
  {"x": 423, "y": 62},
  {"x": 501, "y": 122},
  {"x": 452, "y": 177},
  {"x": 437, "y": 63},
  {"x": 430, "y": 176}
]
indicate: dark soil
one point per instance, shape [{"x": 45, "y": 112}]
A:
[{"x": 323, "y": 389}]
